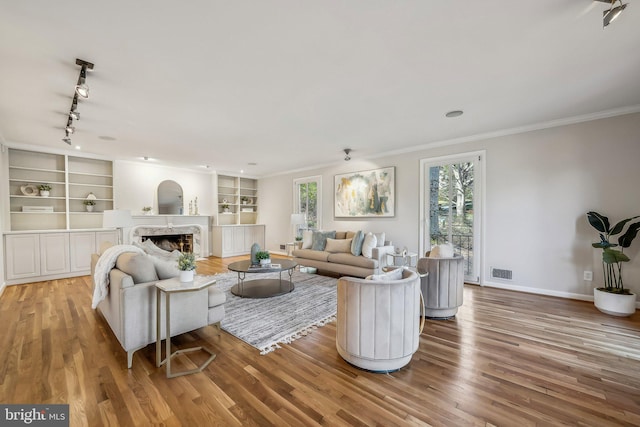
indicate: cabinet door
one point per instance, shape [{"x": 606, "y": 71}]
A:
[
  {"x": 227, "y": 241},
  {"x": 54, "y": 253},
  {"x": 22, "y": 253},
  {"x": 106, "y": 236},
  {"x": 81, "y": 246},
  {"x": 238, "y": 240}
]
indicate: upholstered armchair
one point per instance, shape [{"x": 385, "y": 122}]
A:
[
  {"x": 378, "y": 320},
  {"x": 442, "y": 286}
]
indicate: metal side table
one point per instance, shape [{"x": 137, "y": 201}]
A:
[{"x": 170, "y": 287}]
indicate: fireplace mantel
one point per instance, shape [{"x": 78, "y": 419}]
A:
[{"x": 198, "y": 225}]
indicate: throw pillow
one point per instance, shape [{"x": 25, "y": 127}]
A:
[
  {"x": 307, "y": 239},
  {"x": 338, "y": 245},
  {"x": 379, "y": 238},
  {"x": 442, "y": 251},
  {"x": 138, "y": 266},
  {"x": 395, "y": 274},
  {"x": 356, "y": 243},
  {"x": 320, "y": 239},
  {"x": 369, "y": 243},
  {"x": 166, "y": 268}
]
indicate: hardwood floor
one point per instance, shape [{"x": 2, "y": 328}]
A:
[{"x": 508, "y": 359}]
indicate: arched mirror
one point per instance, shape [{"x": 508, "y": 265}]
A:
[{"x": 169, "y": 198}]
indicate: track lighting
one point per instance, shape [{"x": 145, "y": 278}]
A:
[
  {"x": 611, "y": 14},
  {"x": 81, "y": 90},
  {"x": 347, "y": 157}
]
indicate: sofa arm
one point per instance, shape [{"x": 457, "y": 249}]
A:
[{"x": 380, "y": 254}]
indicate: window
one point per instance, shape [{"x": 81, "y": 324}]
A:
[{"x": 307, "y": 195}]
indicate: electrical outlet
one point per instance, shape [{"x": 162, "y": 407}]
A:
[
  {"x": 283, "y": 247},
  {"x": 588, "y": 275}
]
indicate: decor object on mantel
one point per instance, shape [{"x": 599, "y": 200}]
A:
[
  {"x": 613, "y": 298},
  {"x": 146, "y": 210},
  {"x": 187, "y": 266},
  {"x": 89, "y": 204},
  {"x": 44, "y": 190}
]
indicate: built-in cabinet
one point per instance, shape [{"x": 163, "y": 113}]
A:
[
  {"x": 237, "y": 200},
  {"x": 72, "y": 180},
  {"x": 32, "y": 257},
  {"x": 232, "y": 240}
]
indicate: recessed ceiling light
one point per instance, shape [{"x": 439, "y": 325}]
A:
[
  {"x": 454, "y": 113},
  {"x": 77, "y": 147},
  {"x": 107, "y": 138}
]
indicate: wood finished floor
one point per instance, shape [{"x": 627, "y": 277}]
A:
[{"x": 508, "y": 359}]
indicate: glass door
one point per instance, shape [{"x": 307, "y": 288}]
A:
[{"x": 451, "y": 208}]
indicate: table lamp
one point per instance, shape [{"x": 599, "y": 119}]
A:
[{"x": 117, "y": 218}]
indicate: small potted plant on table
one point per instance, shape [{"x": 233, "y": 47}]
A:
[
  {"x": 263, "y": 258},
  {"x": 187, "y": 266}
]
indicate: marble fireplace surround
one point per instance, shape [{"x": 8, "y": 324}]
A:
[{"x": 199, "y": 232}]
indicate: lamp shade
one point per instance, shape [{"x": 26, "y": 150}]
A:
[
  {"x": 298, "y": 219},
  {"x": 117, "y": 218}
]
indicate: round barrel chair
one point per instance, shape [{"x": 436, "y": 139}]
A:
[
  {"x": 442, "y": 283},
  {"x": 379, "y": 320}
]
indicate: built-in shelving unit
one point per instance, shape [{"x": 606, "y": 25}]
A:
[
  {"x": 71, "y": 179},
  {"x": 237, "y": 200}
]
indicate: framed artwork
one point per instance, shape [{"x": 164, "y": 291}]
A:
[{"x": 369, "y": 193}]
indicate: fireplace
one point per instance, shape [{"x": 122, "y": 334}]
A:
[{"x": 185, "y": 238}]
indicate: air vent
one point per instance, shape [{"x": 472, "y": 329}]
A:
[{"x": 498, "y": 273}]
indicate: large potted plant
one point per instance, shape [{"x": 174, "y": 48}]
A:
[
  {"x": 614, "y": 298},
  {"x": 187, "y": 266}
]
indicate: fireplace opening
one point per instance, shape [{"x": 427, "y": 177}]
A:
[{"x": 172, "y": 242}]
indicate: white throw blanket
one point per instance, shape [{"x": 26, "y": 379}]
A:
[{"x": 104, "y": 265}]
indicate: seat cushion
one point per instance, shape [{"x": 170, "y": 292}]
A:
[
  {"x": 139, "y": 266},
  {"x": 216, "y": 297},
  {"x": 311, "y": 254},
  {"x": 356, "y": 261}
]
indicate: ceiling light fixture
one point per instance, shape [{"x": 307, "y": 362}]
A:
[
  {"x": 81, "y": 90},
  {"x": 347, "y": 157},
  {"x": 611, "y": 14},
  {"x": 454, "y": 113}
]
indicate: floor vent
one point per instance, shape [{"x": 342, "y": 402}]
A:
[{"x": 498, "y": 273}]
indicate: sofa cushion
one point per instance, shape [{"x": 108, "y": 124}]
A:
[
  {"x": 165, "y": 268},
  {"x": 307, "y": 239},
  {"x": 216, "y": 297},
  {"x": 104, "y": 246},
  {"x": 369, "y": 243},
  {"x": 356, "y": 243},
  {"x": 320, "y": 239},
  {"x": 139, "y": 266},
  {"x": 379, "y": 239},
  {"x": 338, "y": 245},
  {"x": 442, "y": 251},
  {"x": 356, "y": 261},
  {"x": 341, "y": 235},
  {"x": 350, "y": 235},
  {"x": 311, "y": 254}
]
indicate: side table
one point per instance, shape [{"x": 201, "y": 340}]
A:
[
  {"x": 170, "y": 287},
  {"x": 405, "y": 260}
]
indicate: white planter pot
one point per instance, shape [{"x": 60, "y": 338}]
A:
[
  {"x": 89, "y": 208},
  {"x": 44, "y": 193},
  {"x": 265, "y": 261},
  {"x": 614, "y": 304},
  {"x": 186, "y": 275}
]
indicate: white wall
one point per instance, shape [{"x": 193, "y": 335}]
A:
[
  {"x": 135, "y": 185},
  {"x": 539, "y": 186}
]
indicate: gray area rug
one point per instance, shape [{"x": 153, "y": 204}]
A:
[{"x": 265, "y": 323}]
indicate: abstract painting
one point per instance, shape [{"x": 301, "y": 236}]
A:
[{"x": 368, "y": 193}]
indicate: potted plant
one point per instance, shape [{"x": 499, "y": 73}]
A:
[
  {"x": 244, "y": 200},
  {"x": 263, "y": 257},
  {"x": 44, "y": 189},
  {"x": 187, "y": 266},
  {"x": 613, "y": 298},
  {"x": 225, "y": 208},
  {"x": 89, "y": 203},
  {"x": 146, "y": 210}
]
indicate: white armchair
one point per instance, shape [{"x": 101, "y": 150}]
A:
[
  {"x": 443, "y": 286},
  {"x": 378, "y": 320}
]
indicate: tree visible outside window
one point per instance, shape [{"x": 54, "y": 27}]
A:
[{"x": 308, "y": 201}]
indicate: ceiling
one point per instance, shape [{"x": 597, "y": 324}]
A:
[{"x": 273, "y": 86}]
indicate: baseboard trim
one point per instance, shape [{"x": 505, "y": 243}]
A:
[
  {"x": 547, "y": 292},
  {"x": 4, "y": 285}
]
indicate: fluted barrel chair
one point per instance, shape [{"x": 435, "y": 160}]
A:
[
  {"x": 442, "y": 284},
  {"x": 379, "y": 320}
]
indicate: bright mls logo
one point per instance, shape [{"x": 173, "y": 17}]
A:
[{"x": 37, "y": 415}]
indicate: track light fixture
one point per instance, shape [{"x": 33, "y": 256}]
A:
[
  {"x": 611, "y": 14},
  {"x": 81, "y": 90},
  {"x": 347, "y": 157}
]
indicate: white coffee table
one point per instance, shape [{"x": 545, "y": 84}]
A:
[{"x": 170, "y": 287}]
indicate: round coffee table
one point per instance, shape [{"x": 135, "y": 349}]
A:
[{"x": 262, "y": 288}]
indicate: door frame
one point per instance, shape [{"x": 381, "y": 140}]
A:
[{"x": 481, "y": 189}]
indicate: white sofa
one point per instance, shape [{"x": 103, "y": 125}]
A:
[
  {"x": 130, "y": 305},
  {"x": 378, "y": 320}
]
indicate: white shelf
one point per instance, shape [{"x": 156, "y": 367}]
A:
[{"x": 233, "y": 188}]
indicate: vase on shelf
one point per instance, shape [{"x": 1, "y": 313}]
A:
[
  {"x": 44, "y": 193},
  {"x": 89, "y": 208}
]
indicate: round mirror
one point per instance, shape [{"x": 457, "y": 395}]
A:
[{"x": 169, "y": 198}]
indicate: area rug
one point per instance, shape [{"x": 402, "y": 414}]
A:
[{"x": 265, "y": 323}]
